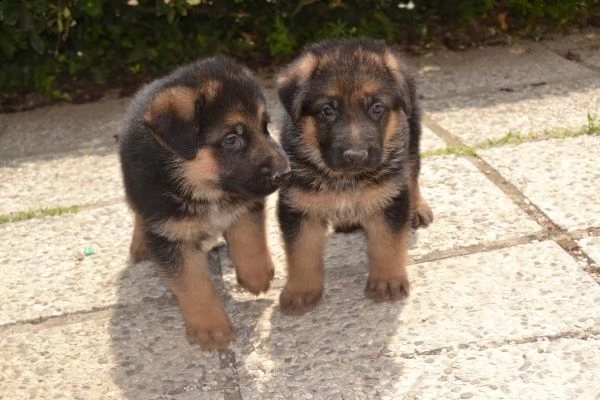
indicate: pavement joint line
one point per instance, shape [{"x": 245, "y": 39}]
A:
[
  {"x": 561, "y": 236},
  {"x": 38, "y": 212},
  {"x": 69, "y": 318},
  {"x": 227, "y": 360},
  {"x": 491, "y": 344},
  {"x": 480, "y": 248}
]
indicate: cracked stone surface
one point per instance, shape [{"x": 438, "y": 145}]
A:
[{"x": 562, "y": 179}]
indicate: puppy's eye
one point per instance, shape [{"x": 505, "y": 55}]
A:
[
  {"x": 376, "y": 109},
  {"x": 232, "y": 141},
  {"x": 327, "y": 112}
]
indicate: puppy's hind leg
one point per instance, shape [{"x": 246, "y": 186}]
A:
[
  {"x": 422, "y": 215},
  {"x": 138, "y": 249}
]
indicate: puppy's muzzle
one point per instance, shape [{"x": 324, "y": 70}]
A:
[{"x": 277, "y": 177}]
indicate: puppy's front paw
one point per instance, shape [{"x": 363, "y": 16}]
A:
[
  {"x": 211, "y": 331},
  {"x": 387, "y": 289},
  {"x": 298, "y": 302},
  {"x": 256, "y": 275},
  {"x": 422, "y": 214}
]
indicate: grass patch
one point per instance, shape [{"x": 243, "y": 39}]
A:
[
  {"x": 514, "y": 138},
  {"x": 42, "y": 212}
]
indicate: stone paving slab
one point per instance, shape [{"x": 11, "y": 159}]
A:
[
  {"x": 591, "y": 245},
  {"x": 69, "y": 179},
  {"x": 468, "y": 208},
  {"x": 447, "y": 73},
  {"x": 483, "y": 299},
  {"x": 559, "y": 176},
  {"x": 43, "y": 275},
  {"x": 480, "y": 117},
  {"x": 61, "y": 128},
  {"x": 584, "y": 47},
  {"x": 566, "y": 369},
  {"x": 430, "y": 141},
  {"x": 121, "y": 354},
  {"x": 586, "y": 38}
]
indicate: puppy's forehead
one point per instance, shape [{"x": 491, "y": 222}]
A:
[
  {"x": 359, "y": 72},
  {"x": 244, "y": 115},
  {"x": 239, "y": 100}
]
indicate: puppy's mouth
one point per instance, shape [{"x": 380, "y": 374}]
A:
[{"x": 264, "y": 184}]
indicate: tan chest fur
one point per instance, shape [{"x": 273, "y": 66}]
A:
[
  {"x": 210, "y": 223},
  {"x": 344, "y": 207}
]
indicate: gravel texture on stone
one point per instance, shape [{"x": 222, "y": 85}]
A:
[
  {"x": 61, "y": 128},
  {"x": 486, "y": 116},
  {"x": 591, "y": 245},
  {"x": 430, "y": 141},
  {"x": 125, "y": 354},
  {"x": 349, "y": 343},
  {"x": 69, "y": 179},
  {"x": 559, "y": 176},
  {"x": 468, "y": 208},
  {"x": 447, "y": 73},
  {"x": 44, "y": 272}
]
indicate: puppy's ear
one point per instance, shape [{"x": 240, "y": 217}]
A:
[
  {"x": 291, "y": 83},
  {"x": 172, "y": 120},
  {"x": 405, "y": 83}
]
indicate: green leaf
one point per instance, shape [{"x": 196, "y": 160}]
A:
[
  {"x": 37, "y": 43},
  {"x": 93, "y": 8}
]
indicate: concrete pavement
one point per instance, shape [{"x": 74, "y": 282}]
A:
[{"x": 506, "y": 295}]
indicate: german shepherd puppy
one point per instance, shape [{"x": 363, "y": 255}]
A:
[
  {"x": 352, "y": 135},
  {"x": 197, "y": 162}
]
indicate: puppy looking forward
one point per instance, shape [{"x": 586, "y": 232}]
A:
[
  {"x": 197, "y": 161},
  {"x": 352, "y": 134}
]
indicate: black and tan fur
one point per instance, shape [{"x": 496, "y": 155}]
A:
[
  {"x": 197, "y": 162},
  {"x": 352, "y": 134}
]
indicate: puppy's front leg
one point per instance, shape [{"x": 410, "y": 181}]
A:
[
  {"x": 304, "y": 239},
  {"x": 387, "y": 241},
  {"x": 206, "y": 322},
  {"x": 248, "y": 249}
]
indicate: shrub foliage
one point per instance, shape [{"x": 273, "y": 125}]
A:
[{"x": 42, "y": 42}]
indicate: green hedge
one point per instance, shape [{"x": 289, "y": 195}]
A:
[{"x": 45, "y": 43}]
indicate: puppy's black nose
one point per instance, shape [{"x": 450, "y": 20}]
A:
[
  {"x": 356, "y": 156},
  {"x": 277, "y": 177}
]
